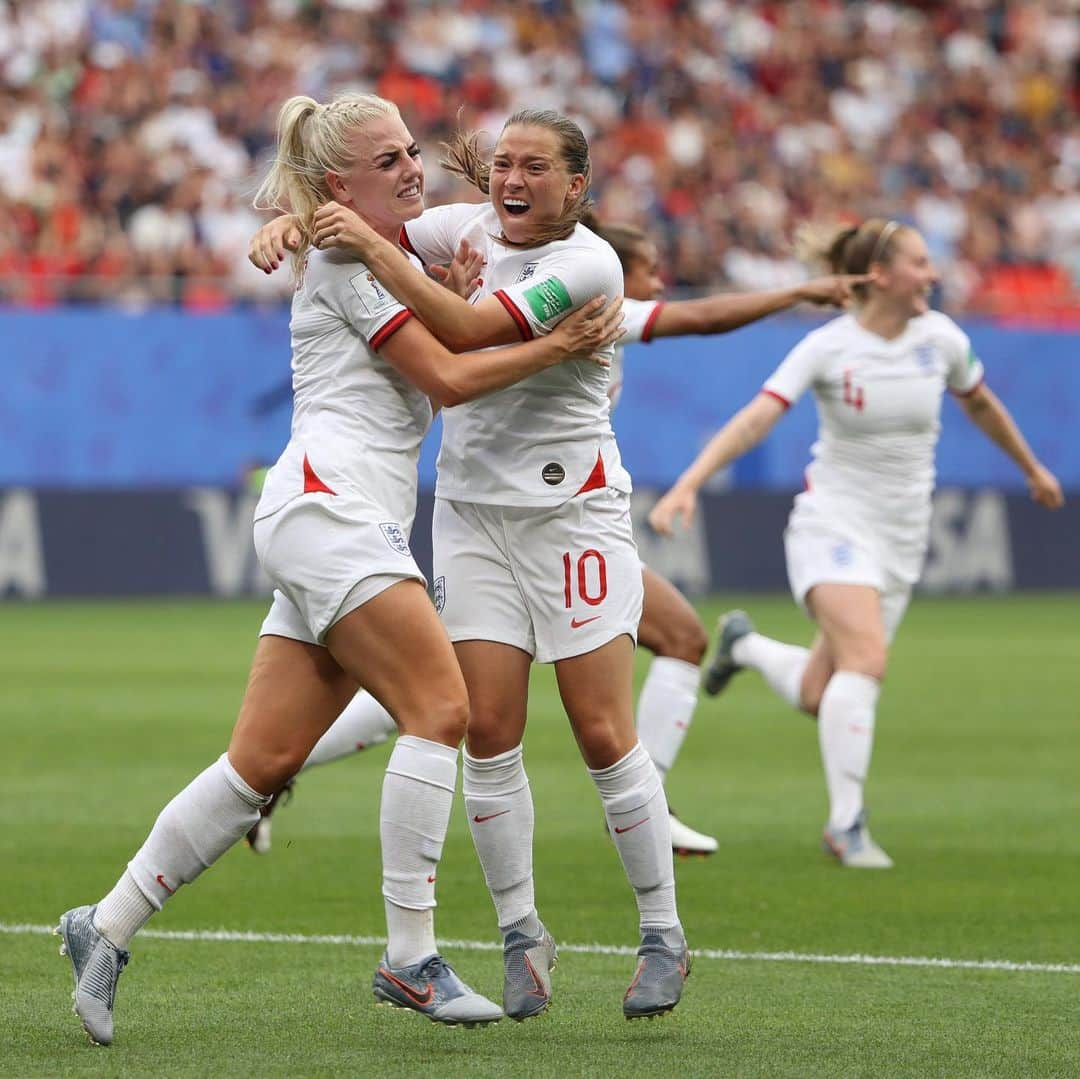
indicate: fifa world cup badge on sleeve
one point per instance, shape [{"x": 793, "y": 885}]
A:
[
  {"x": 548, "y": 299},
  {"x": 373, "y": 297},
  {"x": 395, "y": 537}
]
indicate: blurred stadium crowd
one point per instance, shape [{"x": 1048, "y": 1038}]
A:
[{"x": 132, "y": 132}]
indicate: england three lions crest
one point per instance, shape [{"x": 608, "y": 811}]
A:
[
  {"x": 395, "y": 537},
  {"x": 439, "y": 589}
]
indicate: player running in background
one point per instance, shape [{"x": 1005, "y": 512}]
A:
[
  {"x": 534, "y": 551},
  {"x": 857, "y": 535},
  {"x": 350, "y": 605},
  {"x": 670, "y": 627}
]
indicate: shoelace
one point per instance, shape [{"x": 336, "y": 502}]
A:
[{"x": 435, "y": 967}]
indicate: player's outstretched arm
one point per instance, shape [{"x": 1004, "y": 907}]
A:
[
  {"x": 739, "y": 435},
  {"x": 986, "y": 411},
  {"x": 728, "y": 311},
  {"x": 461, "y": 326}
]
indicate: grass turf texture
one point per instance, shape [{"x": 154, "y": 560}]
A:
[{"x": 108, "y": 709}]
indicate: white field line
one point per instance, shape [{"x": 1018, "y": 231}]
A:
[{"x": 234, "y": 936}]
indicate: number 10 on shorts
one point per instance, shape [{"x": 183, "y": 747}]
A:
[{"x": 591, "y": 574}]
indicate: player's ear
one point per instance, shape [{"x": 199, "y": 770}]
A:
[{"x": 337, "y": 187}]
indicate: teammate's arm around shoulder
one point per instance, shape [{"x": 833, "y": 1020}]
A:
[
  {"x": 749, "y": 426},
  {"x": 726, "y": 311},
  {"x": 451, "y": 379},
  {"x": 986, "y": 411}
]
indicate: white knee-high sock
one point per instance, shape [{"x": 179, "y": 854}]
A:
[
  {"x": 195, "y": 829},
  {"x": 363, "y": 723},
  {"x": 666, "y": 708},
  {"x": 417, "y": 795},
  {"x": 637, "y": 816},
  {"x": 781, "y": 665},
  {"x": 846, "y": 734},
  {"x": 500, "y": 807}
]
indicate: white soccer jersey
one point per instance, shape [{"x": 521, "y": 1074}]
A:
[
  {"x": 536, "y": 443},
  {"x": 639, "y": 317},
  {"x": 879, "y": 406},
  {"x": 357, "y": 422}
]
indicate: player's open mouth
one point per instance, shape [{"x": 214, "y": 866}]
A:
[
  {"x": 517, "y": 207},
  {"x": 412, "y": 192}
]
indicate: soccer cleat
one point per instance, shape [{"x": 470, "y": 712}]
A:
[
  {"x": 663, "y": 967},
  {"x": 730, "y": 628},
  {"x": 259, "y": 836},
  {"x": 431, "y": 988},
  {"x": 685, "y": 841},
  {"x": 854, "y": 847},
  {"x": 527, "y": 965},
  {"x": 96, "y": 965}
]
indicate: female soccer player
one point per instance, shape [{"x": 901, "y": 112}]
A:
[
  {"x": 670, "y": 627},
  {"x": 857, "y": 535},
  {"x": 350, "y": 607},
  {"x": 534, "y": 553}
]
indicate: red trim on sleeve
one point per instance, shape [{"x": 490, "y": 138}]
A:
[
  {"x": 312, "y": 483},
  {"x": 388, "y": 329},
  {"x": 522, "y": 322},
  {"x": 646, "y": 330},
  {"x": 403, "y": 239},
  {"x": 778, "y": 396},
  {"x": 968, "y": 393},
  {"x": 597, "y": 478}
]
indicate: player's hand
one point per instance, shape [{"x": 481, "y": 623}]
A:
[
  {"x": 463, "y": 275},
  {"x": 268, "y": 246},
  {"x": 835, "y": 290},
  {"x": 590, "y": 328},
  {"x": 338, "y": 226},
  {"x": 1044, "y": 488},
  {"x": 679, "y": 502}
]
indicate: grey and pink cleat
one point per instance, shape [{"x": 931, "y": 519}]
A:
[
  {"x": 853, "y": 847},
  {"x": 527, "y": 966},
  {"x": 663, "y": 967},
  {"x": 431, "y": 988}
]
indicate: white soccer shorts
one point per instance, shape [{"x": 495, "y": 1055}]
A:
[
  {"x": 327, "y": 555},
  {"x": 555, "y": 582},
  {"x": 816, "y": 555}
]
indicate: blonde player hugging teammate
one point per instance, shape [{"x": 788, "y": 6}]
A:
[{"x": 350, "y": 606}]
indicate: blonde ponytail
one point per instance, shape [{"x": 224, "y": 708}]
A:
[{"x": 312, "y": 140}]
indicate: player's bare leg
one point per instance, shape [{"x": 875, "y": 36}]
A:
[
  {"x": 597, "y": 692},
  {"x": 363, "y": 723},
  {"x": 671, "y": 630}
]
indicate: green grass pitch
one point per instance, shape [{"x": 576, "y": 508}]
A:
[{"x": 107, "y": 709}]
